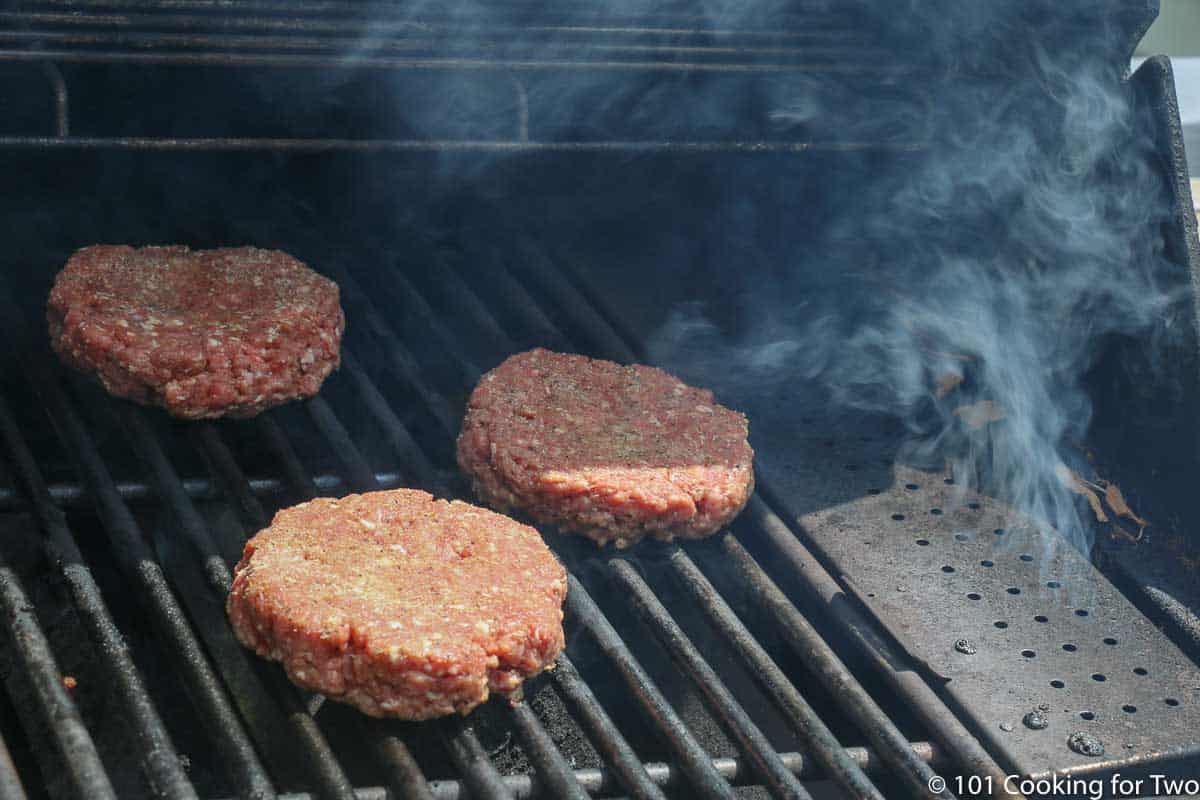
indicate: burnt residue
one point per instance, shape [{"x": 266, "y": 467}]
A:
[
  {"x": 1036, "y": 720},
  {"x": 1085, "y": 744}
]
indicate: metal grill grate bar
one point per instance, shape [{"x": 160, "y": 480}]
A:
[
  {"x": 129, "y": 544},
  {"x": 432, "y": 322},
  {"x": 400, "y": 359},
  {"x": 396, "y": 146},
  {"x": 70, "y": 495},
  {"x": 415, "y": 305},
  {"x": 136, "y": 560},
  {"x": 556, "y": 777},
  {"x": 692, "y": 759},
  {"x": 404, "y": 773},
  {"x": 359, "y": 475},
  {"x": 602, "y": 782},
  {"x": 753, "y": 744},
  {"x": 305, "y": 61},
  {"x": 163, "y": 17},
  {"x": 338, "y": 44},
  {"x": 220, "y": 579},
  {"x": 834, "y": 675},
  {"x": 479, "y": 775},
  {"x": 820, "y": 739},
  {"x": 161, "y": 761},
  {"x": 576, "y": 12},
  {"x": 397, "y": 435},
  {"x": 76, "y": 750},
  {"x": 629, "y": 770}
]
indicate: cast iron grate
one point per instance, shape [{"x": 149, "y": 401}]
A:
[{"x": 177, "y": 566}]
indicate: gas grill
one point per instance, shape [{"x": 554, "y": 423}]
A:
[{"x": 485, "y": 182}]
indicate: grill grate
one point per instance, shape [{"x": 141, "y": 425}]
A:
[
  {"x": 331, "y": 34},
  {"x": 531, "y": 64},
  {"x": 181, "y": 591},
  {"x": 177, "y": 588}
]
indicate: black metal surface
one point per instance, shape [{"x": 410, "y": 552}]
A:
[
  {"x": 10, "y": 781},
  {"x": 1151, "y": 575},
  {"x": 76, "y": 748},
  {"x": 69, "y": 495},
  {"x": 527, "y": 59},
  {"x": 207, "y": 689},
  {"x": 331, "y": 35},
  {"x": 163, "y": 767},
  {"x": 602, "y": 783},
  {"x": 871, "y": 719},
  {"x": 816, "y": 733},
  {"x": 628, "y": 772},
  {"x": 753, "y": 743}
]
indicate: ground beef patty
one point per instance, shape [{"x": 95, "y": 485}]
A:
[
  {"x": 612, "y": 452},
  {"x": 203, "y": 333},
  {"x": 400, "y": 604}
]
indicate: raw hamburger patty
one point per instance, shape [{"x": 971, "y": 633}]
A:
[
  {"x": 203, "y": 333},
  {"x": 400, "y": 604},
  {"x": 612, "y": 452}
]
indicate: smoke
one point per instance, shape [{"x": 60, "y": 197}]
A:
[
  {"x": 997, "y": 229},
  {"x": 1015, "y": 245}
]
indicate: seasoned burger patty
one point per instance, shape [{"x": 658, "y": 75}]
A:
[
  {"x": 203, "y": 333},
  {"x": 612, "y": 452},
  {"x": 400, "y": 604}
]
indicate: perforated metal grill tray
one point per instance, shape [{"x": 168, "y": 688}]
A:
[{"x": 938, "y": 565}]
